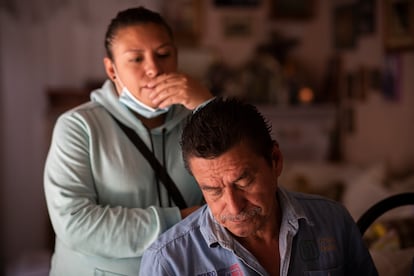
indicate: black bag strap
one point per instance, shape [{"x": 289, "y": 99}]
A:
[{"x": 159, "y": 169}]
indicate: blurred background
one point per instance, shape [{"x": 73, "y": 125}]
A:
[{"x": 335, "y": 79}]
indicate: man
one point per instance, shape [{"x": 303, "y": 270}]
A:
[{"x": 250, "y": 225}]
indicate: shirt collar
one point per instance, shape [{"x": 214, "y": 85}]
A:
[
  {"x": 214, "y": 233},
  {"x": 291, "y": 209}
]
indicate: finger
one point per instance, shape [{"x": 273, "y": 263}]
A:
[
  {"x": 159, "y": 96},
  {"x": 165, "y": 103},
  {"x": 173, "y": 86},
  {"x": 165, "y": 100},
  {"x": 164, "y": 78}
]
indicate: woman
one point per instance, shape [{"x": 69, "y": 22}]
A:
[{"x": 105, "y": 202}]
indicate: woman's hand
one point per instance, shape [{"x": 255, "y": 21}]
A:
[
  {"x": 177, "y": 88},
  {"x": 187, "y": 211}
]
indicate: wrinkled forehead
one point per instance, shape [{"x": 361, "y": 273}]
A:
[{"x": 228, "y": 166}]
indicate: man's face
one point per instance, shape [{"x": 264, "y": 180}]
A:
[{"x": 240, "y": 188}]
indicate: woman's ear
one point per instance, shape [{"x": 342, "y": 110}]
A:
[{"x": 109, "y": 68}]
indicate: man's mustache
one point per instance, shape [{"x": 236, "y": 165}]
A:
[{"x": 242, "y": 215}]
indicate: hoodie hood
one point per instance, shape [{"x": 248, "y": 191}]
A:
[{"x": 108, "y": 98}]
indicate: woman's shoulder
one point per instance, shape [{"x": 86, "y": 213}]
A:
[
  {"x": 81, "y": 116},
  {"x": 83, "y": 110}
]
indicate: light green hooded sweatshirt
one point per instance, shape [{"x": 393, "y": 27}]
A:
[{"x": 101, "y": 193}]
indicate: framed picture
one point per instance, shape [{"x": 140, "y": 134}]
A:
[
  {"x": 391, "y": 82},
  {"x": 291, "y": 9},
  {"x": 185, "y": 18},
  {"x": 344, "y": 26},
  {"x": 398, "y": 24},
  {"x": 237, "y": 27},
  {"x": 237, "y": 3},
  {"x": 366, "y": 18}
]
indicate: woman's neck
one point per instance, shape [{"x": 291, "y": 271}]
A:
[{"x": 152, "y": 122}]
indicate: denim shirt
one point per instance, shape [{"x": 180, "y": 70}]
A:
[{"x": 317, "y": 237}]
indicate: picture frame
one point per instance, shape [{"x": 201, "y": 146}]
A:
[
  {"x": 291, "y": 9},
  {"x": 185, "y": 18},
  {"x": 344, "y": 26},
  {"x": 398, "y": 25},
  {"x": 365, "y": 10},
  {"x": 237, "y": 3},
  {"x": 391, "y": 77},
  {"x": 237, "y": 27}
]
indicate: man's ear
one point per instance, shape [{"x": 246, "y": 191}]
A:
[
  {"x": 277, "y": 160},
  {"x": 109, "y": 68}
]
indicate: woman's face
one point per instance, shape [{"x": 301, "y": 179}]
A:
[{"x": 140, "y": 53}]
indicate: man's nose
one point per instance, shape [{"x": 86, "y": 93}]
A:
[{"x": 234, "y": 201}]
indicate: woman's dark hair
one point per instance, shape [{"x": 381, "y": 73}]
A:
[
  {"x": 223, "y": 123},
  {"x": 129, "y": 17}
]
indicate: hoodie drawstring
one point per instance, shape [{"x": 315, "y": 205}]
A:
[
  {"x": 164, "y": 160},
  {"x": 157, "y": 180}
]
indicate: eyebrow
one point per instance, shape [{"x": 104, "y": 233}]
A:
[
  {"x": 208, "y": 188},
  {"x": 167, "y": 44},
  {"x": 243, "y": 175},
  {"x": 134, "y": 51}
]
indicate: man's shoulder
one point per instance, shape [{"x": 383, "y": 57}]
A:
[
  {"x": 188, "y": 228},
  {"x": 314, "y": 202},
  {"x": 306, "y": 198}
]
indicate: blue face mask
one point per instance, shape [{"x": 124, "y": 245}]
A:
[
  {"x": 139, "y": 107},
  {"x": 142, "y": 109}
]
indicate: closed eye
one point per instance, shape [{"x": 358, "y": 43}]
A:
[
  {"x": 162, "y": 56},
  {"x": 213, "y": 191},
  {"x": 138, "y": 59},
  {"x": 244, "y": 181}
]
